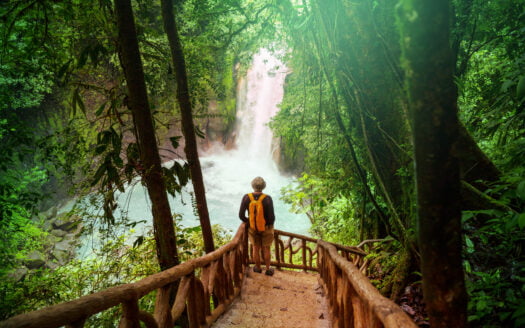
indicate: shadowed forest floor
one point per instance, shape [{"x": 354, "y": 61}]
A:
[{"x": 287, "y": 299}]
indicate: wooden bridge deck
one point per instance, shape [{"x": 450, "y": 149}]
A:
[{"x": 287, "y": 299}]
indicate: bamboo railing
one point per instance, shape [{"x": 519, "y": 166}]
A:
[
  {"x": 221, "y": 276},
  {"x": 353, "y": 301}
]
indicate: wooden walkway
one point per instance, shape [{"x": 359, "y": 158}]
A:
[
  {"x": 220, "y": 289},
  {"x": 287, "y": 299}
]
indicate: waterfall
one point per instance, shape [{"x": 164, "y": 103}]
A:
[
  {"x": 228, "y": 173},
  {"x": 259, "y": 92}
]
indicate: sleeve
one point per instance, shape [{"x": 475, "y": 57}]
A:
[
  {"x": 269, "y": 214},
  {"x": 243, "y": 208}
]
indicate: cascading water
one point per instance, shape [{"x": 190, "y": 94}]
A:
[{"x": 228, "y": 173}]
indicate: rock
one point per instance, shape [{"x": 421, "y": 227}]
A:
[
  {"x": 35, "y": 218},
  {"x": 51, "y": 240},
  {"x": 35, "y": 260},
  {"x": 64, "y": 225},
  {"x": 61, "y": 256},
  {"x": 52, "y": 265},
  {"x": 67, "y": 222},
  {"x": 48, "y": 225},
  {"x": 66, "y": 245},
  {"x": 58, "y": 233},
  {"x": 18, "y": 274},
  {"x": 51, "y": 213}
]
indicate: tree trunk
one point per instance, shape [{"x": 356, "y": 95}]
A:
[
  {"x": 145, "y": 134},
  {"x": 188, "y": 129},
  {"x": 429, "y": 66}
]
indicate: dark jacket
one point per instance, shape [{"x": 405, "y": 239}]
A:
[{"x": 267, "y": 202}]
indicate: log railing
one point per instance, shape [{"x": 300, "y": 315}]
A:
[
  {"x": 295, "y": 251},
  {"x": 353, "y": 301},
  {"x": 220, "y": 279}
]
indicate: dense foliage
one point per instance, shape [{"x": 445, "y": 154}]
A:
[
  {"x": 344, "y": 122},
  {"x": 343, "y": 128},
  {"x": 64, "y": 127}
]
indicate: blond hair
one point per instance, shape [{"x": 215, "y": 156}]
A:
[{"x": 258, "y": 184}]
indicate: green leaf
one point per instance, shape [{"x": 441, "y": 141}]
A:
[
  {"x": 63, "y": 69},
  {"x": 128, "y": 172},
  {"x": 116, "y": 139},
  {"x": 139, "y": 241},
  {"x": 100, "y": 149},
  {"x": 521, "y": 220},
  {"x": 83, "y": 56},
  {"x": 77, "y": 101},
  {"x": 520, "y": 191},
  {"x": 175, "y": 141},
  {"x": 199, "y": 133},
  {"x": 116, "y": 159},
  {"x": 467, "y": 215},
  {"x": 101, "y": 109},
  {"x": 182, "y": 172},
  {"x": 470, "y": 244},
  {"x": 132, "y": 152},
  {"x": 520, "y": 88},
  {"x": 104, "y": 137},
  {"x": 112, "y": 173},
  {"x": 506, "y": 85},
  {"x": 99, "y": 173}
]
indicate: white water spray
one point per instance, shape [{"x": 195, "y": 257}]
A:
[{"x": 228, "y": 173}]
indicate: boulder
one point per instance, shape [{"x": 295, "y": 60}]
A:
[
  {"x": 67, "y": 222},
  {"x": 48, "y": 224},
  {"x": 35, "y": 260},
  {"x": 51, "y": 213},
  {"x": 51, "y": 240},
  {"x": 61, "y": 257},
  {"x": 60, "y": 224},
  {"x": 52, "y": 265},
  {"x": 66, "y": 245},
  {"x": 18, "y": 274},
  {"x": 58, "y": 233}
]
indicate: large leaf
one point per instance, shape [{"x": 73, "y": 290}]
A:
[
  {"x": 175, "y": 141},
  {"x": 520, "y": 89}
]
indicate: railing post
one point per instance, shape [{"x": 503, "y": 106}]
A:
[
  {"x": 277, "y": 252},
  {"x": 193, "y": 306},
  {"x": 246, "y": 246},
  {"x": 130, "y": 314},
  {"x": 303, "y": 243},
  {"x": 162, "y": 307},
  {"x": 77, "y": 324}
]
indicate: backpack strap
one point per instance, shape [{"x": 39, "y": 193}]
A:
[{"x": 252, "y": 197}]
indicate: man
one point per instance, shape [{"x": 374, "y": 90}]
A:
[{"x": 261, "y": 234}]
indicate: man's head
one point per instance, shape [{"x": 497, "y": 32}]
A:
[{"x": 258, "y": 184}]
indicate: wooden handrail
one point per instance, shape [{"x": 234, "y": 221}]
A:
[
  {"x": 307, "y": 248},
  {"x": 222, "y": 272},
  {"x": 353, "y": 301}
]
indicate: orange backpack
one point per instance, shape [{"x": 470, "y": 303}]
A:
[{"x": 256, "y": 213}]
